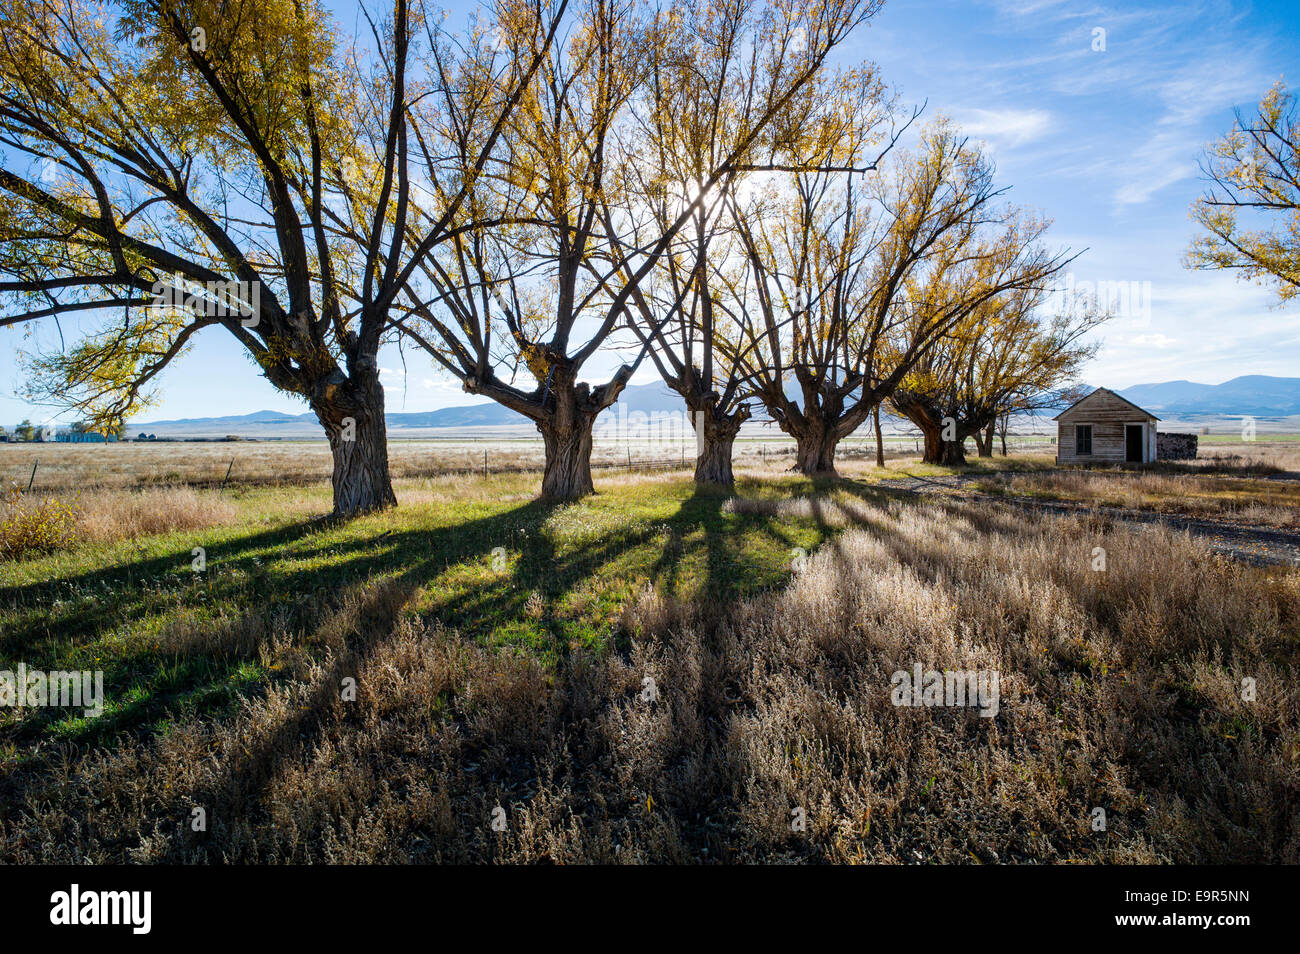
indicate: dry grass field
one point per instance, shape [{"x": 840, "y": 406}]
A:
[
  {"x": 653, "y": 674},
  {"x": 1259, "y": 502}
]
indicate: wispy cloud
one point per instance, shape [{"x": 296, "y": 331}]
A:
[
  {"x": 1198, "y": 92},
  {"x": 1005, "y": 127}
]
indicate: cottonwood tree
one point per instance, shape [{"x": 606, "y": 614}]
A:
[
  {"x": 1006, "y": 357},
  {"x": 207, "y": 146},
  {"x": 1029, "y": 403},
  {"x": 858, "y": 275},
  {"x": 676, "y": 319},
  {"x": 546, "y": 288},
  {"x": 827, "y": 124},
  {"x": 1254, "y": 176}
]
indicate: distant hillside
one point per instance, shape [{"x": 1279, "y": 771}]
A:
[
  {"x": 266, "y": 425},
  {"x": 1254, "y": 394}
]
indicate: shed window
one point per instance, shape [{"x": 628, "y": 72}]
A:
[{"x": 1083, "y": 439}]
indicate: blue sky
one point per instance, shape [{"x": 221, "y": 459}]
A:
[{"x": 1105, "y": 142}]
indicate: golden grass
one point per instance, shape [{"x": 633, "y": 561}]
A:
[
  {"x": 40, "y": 523},
  {"x": 1262, "y": 455},
  {"x": 29, "y": 526},
  {"x": 1121, "y": 690},
  {"x": 1260, "y": 502},
  {"x": 63, "y": 467},
  {"x": 106, "y": 516}
]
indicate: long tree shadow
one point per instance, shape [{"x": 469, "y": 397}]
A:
[
  {"x": 289, "y": 578},
  {"x": 539, "y": 567},
  {"x": 292, "y": 576},
  {"x": 701, "y": 529},
  {"x": 48, "y": 612},
  {"x": 691, "y": 796}
]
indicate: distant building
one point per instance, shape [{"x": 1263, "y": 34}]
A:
[
  {"x": 1104, "y": 427},
  {"x": 84, "y": 437}
]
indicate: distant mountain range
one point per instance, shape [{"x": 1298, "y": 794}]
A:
[
  {"x": 648, "y": 398},
  {"x": 1256, "y": 394}
]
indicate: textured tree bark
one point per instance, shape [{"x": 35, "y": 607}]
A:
[
  {"x": 715, "y": 435},
  {"x": 928, "y": 422},
  {"x": 984, "y": 442},
  {"x": 880, "y": 441},
  {"x": 815, "y": 453},
  {"x": 713, "y": 464},
  {"x": 932, "y": 444},
  {"x": 930, "y": 419},
  {"x": 937, "y": 450},
  {"x": 564, "y": 411},
  {"x": 352, "y": 413},
  {"x": 953, "y": 453},
  {"x": 568, "y": 457},
  {"x": 570, "y": 414}
]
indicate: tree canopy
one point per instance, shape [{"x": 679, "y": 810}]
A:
[{"x": 1250, "y": 212}]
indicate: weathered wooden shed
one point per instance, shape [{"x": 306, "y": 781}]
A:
[{"x": 1105, "y": 427}]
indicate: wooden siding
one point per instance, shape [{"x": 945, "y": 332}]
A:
[
  {"x": 1100, "y": 407},
  {"x": 1108, "y": 414},
  {"x": 1107, "y": 443}
]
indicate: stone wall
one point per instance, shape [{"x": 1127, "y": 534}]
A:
[{"x": 1175, "y": 446}]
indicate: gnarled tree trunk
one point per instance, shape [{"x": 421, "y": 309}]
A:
[
  {"x": 568, "y": 457},
  {"x": 953, "y": 453},
  {"x": 984, "y": 442},
  {"x": 941, "y": 452},
  {"x": 715, "y": 434},
  {"x": 570, "y": 408},
  {"x": 352, "y": 412},
  {"x": 815, "y": 452},
  {"x": 932, "y": 444},
  {"x": 713, "y": 463},
  {"x": 564, "y": 411},
  {"x": 931, "y": 422}
]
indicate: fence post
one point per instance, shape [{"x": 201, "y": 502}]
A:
[
  {"x": 33, "y": 477},
  {"x": 485, "y": 472},
  {"x": 227, "y": 477}
]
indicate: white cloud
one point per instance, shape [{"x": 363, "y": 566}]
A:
[
  {"x": 1154, "y": 341},
  {"x": 1005, "y": 127},
  {"x": 1027, "y": 8},
  {"x": 441, "y": 384}
]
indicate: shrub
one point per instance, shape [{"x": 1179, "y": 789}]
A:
[{"x": 40, "y": 526}]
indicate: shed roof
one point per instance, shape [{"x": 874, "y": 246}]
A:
[{"x": 1112, "y": 394}]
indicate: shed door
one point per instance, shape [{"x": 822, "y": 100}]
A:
[{"x": 1133, "y": 443}]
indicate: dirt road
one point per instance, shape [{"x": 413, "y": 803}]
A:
[{"x": 1258, "y": 545}]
